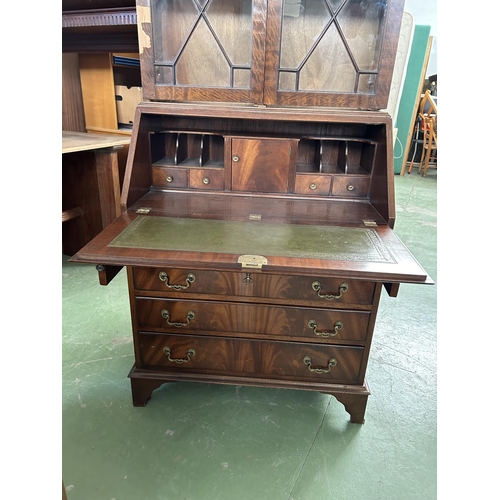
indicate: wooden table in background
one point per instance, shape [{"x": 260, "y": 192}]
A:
[{"x": 90, "y": 186}]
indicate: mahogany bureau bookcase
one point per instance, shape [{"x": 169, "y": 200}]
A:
[{"x": 258, "y": 202}]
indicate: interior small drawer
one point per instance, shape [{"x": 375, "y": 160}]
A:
[
  {"x": 350, "y": 185},
  {"x": 222, "y": 318},
  {"x": 224, "y": 356},
  {"x": 313, "y": 184},
  {"x": 321, "y": 291},
  {"x": 206, "y": 178},
  {"x": 170, "y": 177}
]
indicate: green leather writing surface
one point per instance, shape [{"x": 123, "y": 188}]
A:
[{"x": 254, "y": 237}]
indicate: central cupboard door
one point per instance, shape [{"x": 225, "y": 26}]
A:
[{"x": 262, "y": 165}]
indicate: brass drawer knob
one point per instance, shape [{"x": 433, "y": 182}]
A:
[
  {"x": 317, "y": 369},
  {"x": 312, "y": 185},
  {"x": 189, "y": 279},
  {"x": 191, "y": 352},
  {"x": 316, "y": 286},
  {"x": 325, "y": 333},
  {"x": 236, "y": 158},
  {"x": 169, "y": 178},
  {"x": 350, "y": 187},
  {"x": 206, "y": 180}
]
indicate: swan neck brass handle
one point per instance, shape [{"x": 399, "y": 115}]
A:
[
  {"x": 316, "y": 286},
  {"x": 189, "y": 279},
  {"x": 166, "y": 314},
  {"x": 325, "y": 333},
  {"x": 191, "y": 352},
  {"x": 317, "y": 369}
]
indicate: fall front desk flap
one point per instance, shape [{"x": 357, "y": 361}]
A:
[{"x": 374, "y": 253}]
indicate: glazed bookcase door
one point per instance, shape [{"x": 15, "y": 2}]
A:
[
  {"x": 337, "y": 53},
  {"x": 331, "y": 52},
  {"x": 202, "y": 50}
]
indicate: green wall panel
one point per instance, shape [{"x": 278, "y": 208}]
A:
[{"x": 411, "y": 88}]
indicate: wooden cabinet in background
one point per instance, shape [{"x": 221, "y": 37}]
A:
[
  {"x": 100, "y": 75},
  {"x": 90, "y": 185}
]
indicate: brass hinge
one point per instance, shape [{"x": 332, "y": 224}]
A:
[
  {"x": 143, "y": 210},
  {"x": 255, "y": 217},
  {"x": 252, "y": 261},
  {"x": 370, "y": 223}
]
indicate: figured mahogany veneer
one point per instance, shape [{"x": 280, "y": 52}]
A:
[
  {"x": 245, "y": 357},
  {"x": 263, "y": 287},
  {"x": 244, "y": 320},
  {"x": 252, "y": 328}
]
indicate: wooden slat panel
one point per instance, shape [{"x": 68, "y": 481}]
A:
[
  {"x": 96, "y": 73},
  {"x": 73, "y": 117}
]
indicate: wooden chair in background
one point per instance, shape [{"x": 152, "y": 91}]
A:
[
  {"x": 427, "y": 124},
  {"x": 429, "y": 145}
]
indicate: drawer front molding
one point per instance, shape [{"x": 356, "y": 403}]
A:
[
  {"x": 253, "y": 358},
  {"x": 255, "y": 285},
  {"x": 221, "y": 318}
]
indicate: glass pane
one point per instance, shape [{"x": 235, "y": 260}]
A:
[
  {"x": 335, "y": 4},
  {"x": 329, "y": 68},
  {"x": 303, "y": 22},
  {"x": 202, "y": 63},
  {"x": 164, "y": 75},
  {"x": 241, "y": 78},
  {"x": 362, "y": 24},
  {"x": 203, "y": 40},
  {"x": 287, "y": 81},
  {"x": 232, "y": 23},
  {"x": 172, "y": 22},
  {"x": 367, "y": 83}
]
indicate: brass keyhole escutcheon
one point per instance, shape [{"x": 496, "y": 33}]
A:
[
  {"x": 206, "y": 180},
  {"x": 312, "y": 185},
  {"x": 236, "y": 158},
  {"x": 350, "y": 187},
  {"x": 169, "y": 178}
]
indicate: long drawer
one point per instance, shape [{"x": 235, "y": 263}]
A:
[
  {"x": 327, "y": 292},
  {"x": 224, "y": 356},
  {"x": 225, "y": 318}
]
